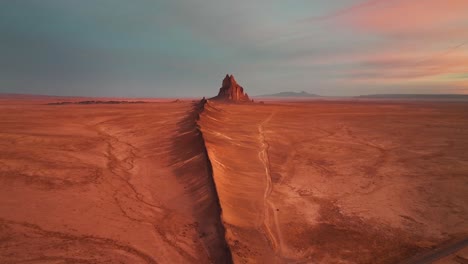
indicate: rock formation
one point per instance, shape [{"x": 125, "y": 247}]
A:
[{"x": 231, "y": 91}]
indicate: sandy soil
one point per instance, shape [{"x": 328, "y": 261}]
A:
[
  {"x": 106, "y": 184},
  {"x": 303, "y": 182},
  {"x": 339, "y": 182}
]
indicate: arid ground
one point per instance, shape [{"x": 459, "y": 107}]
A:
[{"x": 280, "y": 182}]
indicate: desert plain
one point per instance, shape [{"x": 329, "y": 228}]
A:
[{"x": 210, "y": 182}]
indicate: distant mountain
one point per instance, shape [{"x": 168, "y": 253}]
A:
[
  {"x": 290, "y": 94},
  {"x": 416, "y": 96}
]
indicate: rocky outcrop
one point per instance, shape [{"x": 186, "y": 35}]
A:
[{"x": 231, "y": 91}]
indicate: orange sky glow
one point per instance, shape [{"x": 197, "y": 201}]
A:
[{"x": 428, "y": 42}]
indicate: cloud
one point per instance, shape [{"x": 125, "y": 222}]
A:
[
  {"x": 402, "y": 18},
  {"x": 416, "y": 44},
  {"x": 183, "y": 47},
  {"x": 345, "y": 11},
  {"x": 450, "y": 69}
]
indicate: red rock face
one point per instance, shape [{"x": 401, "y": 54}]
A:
[{"x": 231, "y": 91}]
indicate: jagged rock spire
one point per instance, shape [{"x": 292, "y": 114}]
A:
[{"x": 231, "y": 91}]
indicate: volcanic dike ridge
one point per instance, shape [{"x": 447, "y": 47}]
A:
[{"x": 230, "y": 92}]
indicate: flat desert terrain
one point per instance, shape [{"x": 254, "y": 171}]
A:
[
  {"x": 280, "y": 182},
  {"x": 124, "y": 183}
]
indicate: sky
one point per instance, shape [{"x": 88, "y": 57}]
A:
[{"x": 177, "y": 48}]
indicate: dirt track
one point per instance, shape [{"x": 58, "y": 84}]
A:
[
  {"x": 451, "y": 252},
  {"x": 275, "y": 236}
]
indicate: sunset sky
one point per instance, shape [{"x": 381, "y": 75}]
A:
[{"x": 184, "y": 48}]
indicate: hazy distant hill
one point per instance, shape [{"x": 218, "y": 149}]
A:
[
  {"x": 290, "y": 94},
  {"x": 416, "y": 96}
]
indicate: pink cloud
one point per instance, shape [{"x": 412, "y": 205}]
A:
[
  {"x": 404, "y": 68},
  {"x": 413, "y": 43},
  {"x": 403, "y": 17}
]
